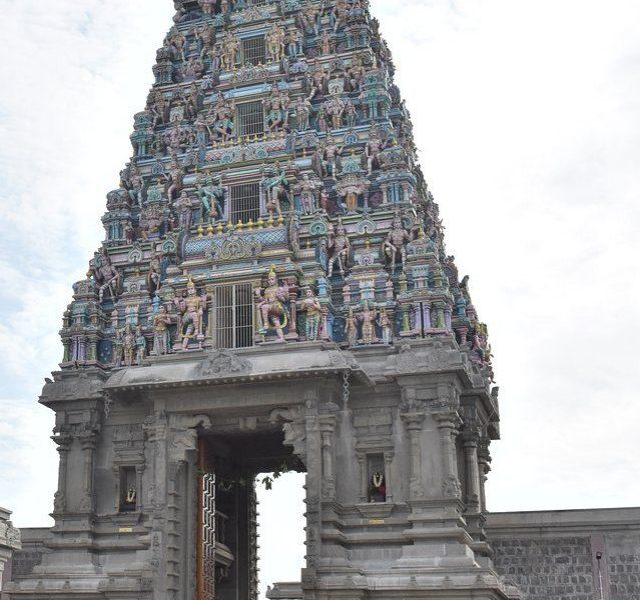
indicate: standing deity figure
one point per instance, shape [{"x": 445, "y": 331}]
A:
[
  {"x": 335, "y": 107},
  {"x": 331, "y": 156},
  {"x": 326, "y": 42},
  {"x": 141, "y": 346},
  {"x": 274, "y": 41},
  {"x": 105, "y": 274},
  {"x": 161, "y": 336},
  {"x": 271, "y": 306},
  {"x": 135, "y": 185},
  {"x": 385, "y": 326},
  {"x": 339, "y": 248},
  {"x": 368, "y": 318},
  {"x": 374, "y": 146},
  {"x": 303, "y": 111},
  {"x": 158, "y": 108},
  {"x": 307, "y": 188},
  {"x": 174, "y": 178},
  {"x": 312, "y": 18},
  {"x": 294, "y": 43},
  {"x": 339, "y": 14},
  {"x": 212, "y": 198},
  {"x": 394, "y": 245},
  {"x": 230, "y": 47},
  {"x": 276, "y": 185},
  {"x": 154, "y": 276},
  {"x": 191, "y": 311},
  {"x": 184, "y": 207},
  {"x": 118, "y": 349},
  {"x": 351, "y": 113},
  {"x": 129, "y": 345},
  {"x": 351, "y": 329},
  {"x": 313, "y": 309}
]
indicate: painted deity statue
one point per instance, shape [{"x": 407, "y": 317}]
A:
[
  {"x": 221, "y": 122},
  {"x": 303, "y": 111},
  {"x": 141, "y": 346},
  {"x": 368, "y": 318},
  {"x": 339, "y": 248},
  {"x": 271, "y": 306},
  {"x": 174, "y": 178},
  {"x": 154, "y": 276},
  {"x": 394, "y": 245},
  {"x": 161, "y": 336},
  {"x": 129, "y": 346},
  {"x": 191, "y": 309},
  {"x": 351, "y": 329},
  {"x": 313, "y": 309},
  {"x": 230, "y": 47},
  {"x": 184, "y": 207},
  {"x": 276, "y": 186},
  {"x": 385, "y": 326},
  {"x": 212, "y": 198},
  {"x": 308, "y": 194},
  {"x": 275, "y": 43},
  {"x": 105, "y": 275}
]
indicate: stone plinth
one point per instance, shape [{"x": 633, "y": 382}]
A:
[{"x": 9, "y": 541}]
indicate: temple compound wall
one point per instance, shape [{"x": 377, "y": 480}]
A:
[
  {"x": 549, "y": 555},
  {"x": 567, "y": 555}
]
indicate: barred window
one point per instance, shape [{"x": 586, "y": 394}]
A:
[
  {"x": 233, "y": 316},
  {"x": 250, "y": 118},
  {"x": 245, "y": 203},
  {"x": 254, "y": 51}
]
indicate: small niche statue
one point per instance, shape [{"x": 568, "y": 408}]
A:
[
  {"x": 191, "y": 308},
  {"x": 161, "y": 337},
  {"x": 271, "y": 306},
  {"x": 377, "y": 488},
  {"x": 313, "y": 309}
]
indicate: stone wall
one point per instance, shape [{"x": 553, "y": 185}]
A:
[{"x": 554, "y": 555}]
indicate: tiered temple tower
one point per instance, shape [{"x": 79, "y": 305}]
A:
[{"x": 273, "y": 292}]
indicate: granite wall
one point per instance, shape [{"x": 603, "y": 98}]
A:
[{"x": 565, "y": 555}]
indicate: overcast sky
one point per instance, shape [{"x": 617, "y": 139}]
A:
[{"x": 527, "y": 115}]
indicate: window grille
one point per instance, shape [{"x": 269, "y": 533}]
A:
[
  {"x": 245, "y": 203},
  {"x": 234, "y": 316},
  {"x": 254, "y": 51},
  {"x": 250, "y": 118}
]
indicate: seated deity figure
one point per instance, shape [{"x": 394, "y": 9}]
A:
[
  {"x": 105, "y": 275},
  {"x": 313, "y": 310},
  {"x": 271, "y": 306},
  {"x": 394, "y": 246},
  {"x": 191, "y": 309}
]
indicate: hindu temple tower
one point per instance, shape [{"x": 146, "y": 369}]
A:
[{"x": 273, "y": 292}]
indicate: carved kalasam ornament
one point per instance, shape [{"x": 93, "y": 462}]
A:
[{"x": 223, "y": 363}]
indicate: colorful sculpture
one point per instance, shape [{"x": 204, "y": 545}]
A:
[{"x": 271, "y": 306}]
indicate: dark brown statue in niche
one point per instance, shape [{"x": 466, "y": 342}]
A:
[{"x": 377, "y": 488}]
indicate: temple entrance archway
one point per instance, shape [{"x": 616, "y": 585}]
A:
[{"x": 231, "y": 466}]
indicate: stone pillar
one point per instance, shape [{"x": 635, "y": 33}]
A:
[
  {"x": 445, "y": 413},
  {"x": 484, "y": 462},
  {"x": 413, "y": 416},
  {"x": 327, "y": 431},
  {"x": 472, "y": 471},
  {"x": 63, "y": 442},
  {"x": 88, "y": 445}
]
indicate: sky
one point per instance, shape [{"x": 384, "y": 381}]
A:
[{"x": 527, "y": 117}]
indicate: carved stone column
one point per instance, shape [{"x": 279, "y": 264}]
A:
[
  {"x": 88, "y": 444},
  {"x": 484, "y": 462},
  {"x": 445, "y": 412},
  {"x": 470, "y": 437},
  {"x": 327, "y": 431},
  {"x": 63, "y": 441},
  {"x": 413, "y": 415}
]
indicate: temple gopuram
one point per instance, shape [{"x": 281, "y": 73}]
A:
[{"x": 273, "y": 293}]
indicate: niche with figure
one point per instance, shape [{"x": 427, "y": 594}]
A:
[
  {"x": 128, "y": 491},
  {"x": 377, "y": 485}
]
